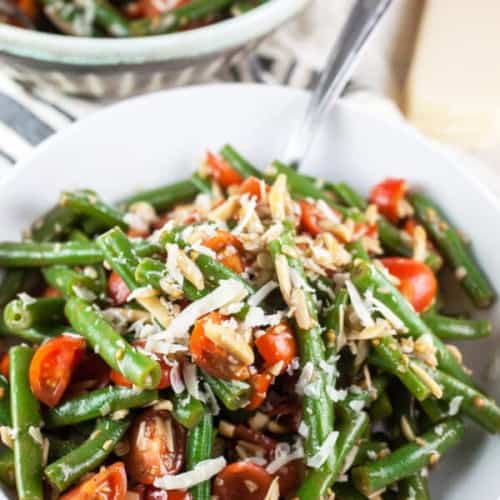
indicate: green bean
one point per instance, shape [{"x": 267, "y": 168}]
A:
[
  {"x": 234, "y": 394},
  {"x": 187, "y": 410},
  {"x": 39, "y": 334},
  {"x": 7, "y": 472},
  {"x": 317, "y": 408},
  {"x": 367, "y": 277},
  {"x": 335, "y": 321},
  {"x": 11, "y": 285},
  {"x": 243, "y": 6},
  {"x": 29, "y": 254},
  {"x": 118, "y": 354},
  {"x": 434, "y": 409},
  {"x": 175, "y": 19},
  {"x": 203, "y": 185},
  {"x": 150, "y": 272},
  {"x": 240, "y": 164},
  {"x": 393, "y": 358},
  {"x": 110, "y": 19},
  {"x": 345, "y": 491},
  {"x": 447, "y": 238},
  {"x": 164, "y": 197},
  {"x": 408, "y": 459},
  {"x": 98, "y": 403},
  {"x": 447, "y": 328},
  {"x": 87, "y": 202},
  {"x": 25, "y": 415},
  {"x": 119, "y": 254},
  {"x": 88, "y": 456},
  {"x": 471, "y": 402},
  {"x": 199, "y": 448},
  {"x": 4, "y": 401},
  {"x": 58, "y": 446},
  {"x": 367, "y": 450},
  {"x": 357, "y": 250},
  {"x": 381, "y": 408},
  {"x": 68, "y": 281},
  {"x": 414, "y": 487},
  {"x": 22, "y": 314},
  {"x": 54, "y": 224}
]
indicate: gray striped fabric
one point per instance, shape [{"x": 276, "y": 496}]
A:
[{"x": 29, "y": 115}]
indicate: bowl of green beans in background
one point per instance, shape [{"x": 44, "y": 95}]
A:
[
  {"x": 354, "y": 150},
  {"x": 144, "y": 55}
]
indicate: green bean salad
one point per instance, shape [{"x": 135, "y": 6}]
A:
[
  {"x": 242, "y": 334},
  {"x": 122, "y": 18}
]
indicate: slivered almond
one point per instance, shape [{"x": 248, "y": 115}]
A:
[
  {"x": 225, "y": 210},
  {"x": 434, "y": 387},
  {"x": 277, "y": 198},
  {"x": 302, "y": 315},
  {"x": 404, "y": 209},
  {"x": 284, "y": 278},
  {"x": 155, "y": 307},
  {"x": 419, "y": 244},
  {"x": 455, "y": 352},
  {"x": 273, "y": 493},
  {"x": 190, "y": 271},
  {"x": 406, "y": 429},
  {"x": 231, "y": 341},
  {"x": 380, "y": 329}
]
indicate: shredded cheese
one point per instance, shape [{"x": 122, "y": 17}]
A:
[
  {"x": 320, "y": 457},
  {"x": 358, "y": 304}
]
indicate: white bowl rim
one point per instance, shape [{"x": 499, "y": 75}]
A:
[{"x": 199, "y": 42}]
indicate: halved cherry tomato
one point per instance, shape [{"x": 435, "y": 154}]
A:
[
  {"x": 110, "y": 483},
  {"x": 290, "y": 477},
  {"x": 220, "y": 243},
  {"x": 387, "y": 195},
  {"x": 117, "y": 289},
  {"x": 416, "y": 281},
  {"x": 221, "y": 171},
  {"x": 221, "y": 240},
  {"x": 277, "y": 344},
  {"x": 310, "y": 217},
  {"x": 212, "y": 358},
  {"x": 157, "y": 446},
  {"x": 152, "y": 493},
  {"x": 410, "y": 225},
  {"x": 90, "y": 373},
  {"x": 260, "y": 383},
  {"x": 242, "y": 481},
  {"x": 52, "y": 366},
  {"x": 51, "y": 292},
  {"x": 4, "y": 365},
  {"x": 252, "y": 187},
  {"x": 164, "y": 383}
]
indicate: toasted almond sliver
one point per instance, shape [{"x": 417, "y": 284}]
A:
[
  {"x": 434, "y": 387},
  {"x": 190, "y": 271},
  {"x": 231, "y": 341},
  {"x": 302, "y": 315},
  {"x": 273, "y": 493},
  {"x": 225, "y": 210},
  {"x": 284, "y": 278},
  {"x": 154, "y": 306},
  {"x": 419, "y": 244},
  {"x": 277, "y": 197}
]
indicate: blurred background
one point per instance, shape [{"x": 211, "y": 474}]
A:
[{"x": 433, "y": 63}]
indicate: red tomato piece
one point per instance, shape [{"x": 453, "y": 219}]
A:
[
  {"x": 52, "y": 366},
  {"x": 310, "y": 217},
  {"x": 157, "y": 446},
  {"x": 51, "y": 292},
  {"x": 387, "y": 195},
  {"x": 212, "y": 358},
  {"x": 410, "y": 225},
  {"x": 221, "y": 240},
  {"x": 164, "y": 383},
  {"x": 233, "y": 262},
  {"x": 221, "y": 171},
  {"x": 110, "y": 483},
  {"x": 242, "y": 481},
  {"x": 277, "y": 344},
  {"x": 4, "y": 365},
  {"x": 290, "y": 477},
  {"x": 253, "y": 187},
  {"x": 117, "y": 289},
  {"x": 260, "y": 383},
  {"x": 417, "y": 282}
]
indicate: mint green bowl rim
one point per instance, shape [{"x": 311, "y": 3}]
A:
[{"x": 197, "y": 43}]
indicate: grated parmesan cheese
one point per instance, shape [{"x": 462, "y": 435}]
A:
[
  {"x": 203, "y": 471},
  {"x": 284, "y": 455},
  {"x": 262, "y": 293},
  {"x": 358, "y": 304},
  {"x": 320, "y": 457}
]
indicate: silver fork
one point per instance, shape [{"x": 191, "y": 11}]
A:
[{"x": 362, "y": 20}]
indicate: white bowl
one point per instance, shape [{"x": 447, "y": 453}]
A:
[
  {"x": 116, "y": 68},
  {"x": 136, "y": 145}
]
